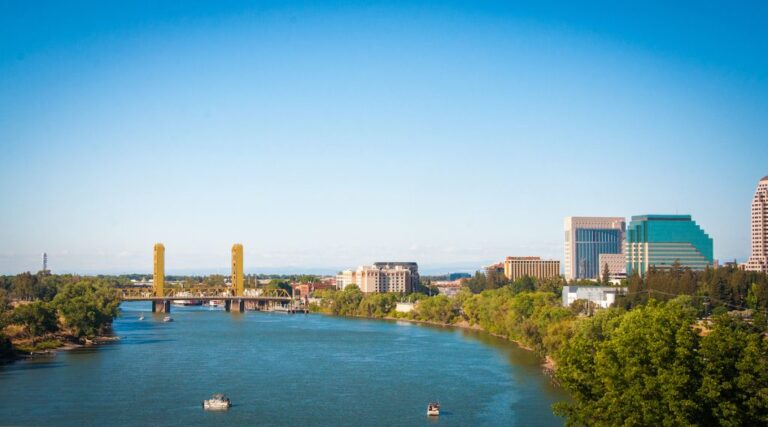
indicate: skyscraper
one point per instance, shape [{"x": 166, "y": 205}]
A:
[
  {"x": 586, "y": 238},
  {"x": 661, "y": 240},
  {"x": 759, "y": 259}
]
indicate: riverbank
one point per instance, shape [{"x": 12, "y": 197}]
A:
[{"x": 49, "y": 345}]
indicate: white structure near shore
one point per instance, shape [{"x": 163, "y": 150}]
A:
[
  {"x": 603, "y": 296},
  {"x": 404, "y": 307}
]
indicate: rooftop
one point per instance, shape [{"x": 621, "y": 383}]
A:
[{"x": 657, "y": 217}]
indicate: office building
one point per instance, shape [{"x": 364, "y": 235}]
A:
[
  {"x": 661, "y": 240},
  {"x": 395, "y": 278},
  {"x": 410, "y": 266},
  {"x": 617, "y": 266},
  {"x": 586, "y": 238},
  {"x": 758, "y": 261},
  {"x": 532, "y": 266},
  {"x": 345, "y": 278},
  {"x": 494, "y": 269}
]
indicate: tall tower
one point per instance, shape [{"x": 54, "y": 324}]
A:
[
  {"x": 586, "y": 238},
  {"x": 237, "y": 269},
  {"x": 45, "y": 262},
  {"x": 759, "y": 259},
  {"x": 159, "y": 269}
]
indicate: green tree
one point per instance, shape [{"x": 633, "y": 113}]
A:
[
  {"x": 37, "y": 318},
  {"x": 734, "y": 385},
  {"x": 23, "y": 286},
  {"x": 88, "y": 307},
  {"x": 436, "y": 309},
  {"x": 606, "y": 275}
]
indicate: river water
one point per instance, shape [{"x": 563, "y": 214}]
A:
[{"x": 279, "y": 369}]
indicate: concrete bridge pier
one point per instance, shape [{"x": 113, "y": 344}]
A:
[
  {"x": 236, "y": 305},
  {"x": 161, "y": 306}
]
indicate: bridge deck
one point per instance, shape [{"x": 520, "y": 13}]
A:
[{"x": 204, "y": 298}]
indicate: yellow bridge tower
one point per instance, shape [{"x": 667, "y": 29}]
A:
[
  {"x": 237, "y": 277},
  {"x": 158, "y": 280}
]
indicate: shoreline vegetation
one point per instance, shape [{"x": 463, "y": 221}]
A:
[
  {"x": 680, "y": 348},
  {"x": 50, "y": 313}
]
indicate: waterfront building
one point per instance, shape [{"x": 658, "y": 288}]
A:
[
  {"x": 345, "y": 278},
  {"x": 372, "y": 278},
  {"x": 532, "y": 266},
  {"x": 661, "y": 240},
  {"x": 758, "y": 261},
  {"x": 586, "y": 238},
  {"x": 410, "y": 266},
  {"x": 158, "y": 267},
  {"x": 617, "y": 266},
  {"x": 603, "y": 296},
  {"x": 449, "y": 288}
]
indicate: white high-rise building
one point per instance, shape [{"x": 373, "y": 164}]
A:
[
  {"x": 586, "y": 238},
  {"x": 759, "y": 259}
]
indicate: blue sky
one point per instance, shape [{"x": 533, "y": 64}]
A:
[{"x": 325, "y": 135}]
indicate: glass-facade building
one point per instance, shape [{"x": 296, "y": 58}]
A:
[
  {"x": 661, "y": 240},
  {"x": 590, "y": 243},
  {"x": 586, "y": 238}
]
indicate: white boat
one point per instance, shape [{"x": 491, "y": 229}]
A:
[
  {"x": 217, "y": 402},
  {"x": 216, "y": 303},
  {"x": 433, "y": 409},
  {"x": 167, "y": 319},
  {"x": 141, "y": 317}
]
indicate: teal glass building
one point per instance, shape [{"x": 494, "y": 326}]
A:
[{"x": 661, "y": 240}]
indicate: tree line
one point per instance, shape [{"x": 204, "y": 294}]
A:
[{"x": 41, "y": 311}]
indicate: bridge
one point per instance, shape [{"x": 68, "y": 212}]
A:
[{"x": 236, "y": 297}]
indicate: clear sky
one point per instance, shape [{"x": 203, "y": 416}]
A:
[{"x": 324, "y": 135}]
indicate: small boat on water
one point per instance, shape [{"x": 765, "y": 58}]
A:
[
  {"x": 141, "y": 317},
  {"x": 433, "y": 409},
  {"x": 217, "y": 402},
  {"x": 167, "y": 319}
]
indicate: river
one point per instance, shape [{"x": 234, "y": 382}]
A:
[{"x": 279, "y": 369}]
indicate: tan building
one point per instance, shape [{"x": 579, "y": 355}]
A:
[
  {"x": 379, "y": 279},
  {"x": 497, "y": 268},
  {"x": 532, "y": 266},
  {"x": 617, "y": 266},
  {"x": 759, "y": 259},
  {"x": 345, "y": 278}
]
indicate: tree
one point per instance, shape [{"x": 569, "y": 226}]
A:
[
  {"x": 523, "y": 284},
  {"x": 650, "y": 366},
  {"x": 88, "y": 307},
  {"x": 38, "y": 318},
  {"x": 23, "y": 286},
  {"x": 606, "y": 275}
]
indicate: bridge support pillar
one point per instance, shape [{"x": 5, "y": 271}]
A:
[
  {"x": 161, "y": 306},
  {"x": 235, "y": 305}
]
